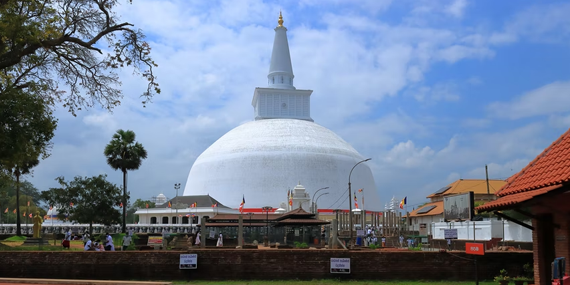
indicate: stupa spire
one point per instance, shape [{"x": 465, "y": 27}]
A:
[{"x": 280, "y": 71}]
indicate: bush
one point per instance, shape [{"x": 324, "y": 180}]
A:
[
  {"x": 373, "y": 246},
  {"x": 301, "y": 245},
  {"x": 16, "y": 238}
]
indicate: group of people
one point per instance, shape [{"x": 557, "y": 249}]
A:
[
  {"x": 198, "y": 239},
  {"x": 90, "y": 244}
]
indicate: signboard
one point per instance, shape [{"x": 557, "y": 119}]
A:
[
  {"x": 340, "y": 265},
  {"x": 360, "y": 233},
  {"x": 474, "y": 248},
  {"x": 458, "y": 207},
  {"x": 154, "y": 241},
  {"x": 450, "y": 233},
  {"x": 212, "y": 234},
  {"x": 188, "y": 261}
]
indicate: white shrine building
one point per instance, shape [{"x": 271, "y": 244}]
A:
[{"x": 261, "y": 160}]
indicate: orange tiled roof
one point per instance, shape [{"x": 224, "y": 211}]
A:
[
  {"x": 549, "y": 171},
  {"x": 438, "y": 210},
  {"x": 478, "y": 186}
]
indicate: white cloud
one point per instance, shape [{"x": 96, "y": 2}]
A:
[
  {"x": 456, "y": 8},
  {"x": 546, "y": 100},
  {"x": 439, "y": 92}
]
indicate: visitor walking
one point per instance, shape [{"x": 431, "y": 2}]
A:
[
  {"x": 109, "y": 242},
  {"x": 198, "y": 235},
  {"x": 86, "y": 237},
  {"x": 220, "y": 240},
  {"x": 126, "y": 241}
]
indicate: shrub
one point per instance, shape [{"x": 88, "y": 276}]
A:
[{"x": 373, "y": 246}]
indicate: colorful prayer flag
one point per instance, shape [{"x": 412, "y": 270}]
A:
[
  {"x": 187, "y": 215},
  {"x": 242, "y": 203},
  {"x": 404, "y": 202},
  {"x": 71, "y": 204},
  {"x": 290, "y": 197},
  {"x": 355, "y": 202},
  {"x": 147, "y": 205},
  {"x": 121, "y": 205},
  {"x": 360, "y": 190},
  {"x": 30, "y": 215},
  {"x": 14, "y": 211},
  {"x": 24, "y": 214},
  {"x": 169, "y": 204}
]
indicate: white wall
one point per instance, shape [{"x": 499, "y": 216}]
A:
[{"x": 484, "y": 230}]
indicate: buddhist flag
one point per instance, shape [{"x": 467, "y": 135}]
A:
[
  {"x": 6, "y": 211},
  {"x": 30, "y": 215},
  {"x": 28, "y": 203},
  {"x": 71, "y": 204},
  {"x": 242, "y": 203},
  {"x": 169, "y": 204},
  {"x": 355, "y": 202},
  {"x": 14, "y": 211},
  {"x": 24, "y": 214},
  {"x": 188, "y": 215},
  {"x": 214, "y": 205},
  {"x": 360, "y": 190},
  {"x": 147, "y": 205},
  {"x": 404, "y": 202},
  {"x": 121, "y": 205},
  {"x": 290, "y": 198}
]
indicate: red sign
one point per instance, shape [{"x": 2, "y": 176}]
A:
[{"x": 475, "y": 248}]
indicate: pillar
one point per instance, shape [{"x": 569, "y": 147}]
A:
[
  {"x": 204, "y": 233},
  {"x": 240, "y": 230}
]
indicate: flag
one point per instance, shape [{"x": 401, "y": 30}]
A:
[
  {"x": 71, "y": 204},
  {"x": 147, "y": 205},
  {"x": 121, "y": 205},
  {"x": 187, "y": 215},
  {"x": 404, "y": 202},
  {"x": 242, "y": 203},
  {"x": 290, "y": 198},
  {"x": 30, "y": 215},
  {"x": 169, "y": 204},
  {"x": 28, "y": 203},
  {"x": 24, "y": 214},
  {"x": 6, "y": 211},
  {"x": 355, "y": 202},
  {"x": 179, "y": 215},
  {"x": 194, "y": 205},
  {"x": 214, "y": 205},
  {"x": 14, "y": 211},
  {"x": 192, "y": 214},
  {"x": 360, "y": 190}
]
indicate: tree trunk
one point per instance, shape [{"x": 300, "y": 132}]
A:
[
  {"x": 18, "y": 226},
  {"x": 91, "y": 228},
  {"x": 124, "y": 230}
]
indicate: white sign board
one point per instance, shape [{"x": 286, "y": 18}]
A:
[
  {"x": 360, "y": 233},
  {"x": 188, "y": 261},
  {"x": 340, "y": 265},
  {"x": 450, "y": 233}
]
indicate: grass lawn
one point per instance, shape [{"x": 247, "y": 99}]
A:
[
  {"x": 327, "y": 282},
  {"x": 75, "y": 245}
]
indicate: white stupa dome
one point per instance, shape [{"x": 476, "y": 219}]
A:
[
  {"x": 261, "y": 160},
  {"x": 160, "y": 199}
]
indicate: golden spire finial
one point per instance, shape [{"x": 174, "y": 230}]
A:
[{"x": 280, "y": 21}]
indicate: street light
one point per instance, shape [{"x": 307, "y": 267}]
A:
[
  {"x": 313, "y": 199},
  {"x": 267, "y": 209},
  {"x": 317, "y": 200},
  {"x": 350, "y": 198},
  {"x": 176, "y": 186}
]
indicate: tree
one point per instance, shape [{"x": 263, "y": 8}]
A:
[
  {"x": 137, "y": 205},
  {"x": 86, "y": 200},
  {"x": 124, "y": 153},
  {"x": 27, "y": 126},
  {"x": 80, "y": 43}
]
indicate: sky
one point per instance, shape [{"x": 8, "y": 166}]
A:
[{"x": 431, "y": 90}]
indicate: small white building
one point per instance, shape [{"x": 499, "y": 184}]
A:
[{"x": 183, "y": 210}]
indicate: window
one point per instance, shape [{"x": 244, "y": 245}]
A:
[
  {"x": 164, "y": 220},
  {"x": 174, "y": 220},
  {"x": 153, "y": 220},
  {"x": 185, "y": 220}
]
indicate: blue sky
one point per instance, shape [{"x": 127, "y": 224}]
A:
[{"x": 431, "y": 90}]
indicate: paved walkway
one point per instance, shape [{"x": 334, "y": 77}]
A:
[{"x": 32, "y": 281}]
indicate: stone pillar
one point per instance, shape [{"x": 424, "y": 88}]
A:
[
  {"x": 204, "y": 233},
  {"x": 240, "y": 230},
  {"x": 334, "y": 234}
]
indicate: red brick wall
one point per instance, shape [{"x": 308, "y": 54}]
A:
[{"x": 256, "y": 264}]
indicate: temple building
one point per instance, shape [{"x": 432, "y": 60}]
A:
[{"x": 260, "y": 161}]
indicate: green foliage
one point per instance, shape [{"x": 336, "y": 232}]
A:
[
  {"x": 86, "y": 200},
  {"x": 16, "y": 238},
  {"x": 46, "y": 43},
  {"x": 373, "y": 246},
  {"x": 503, "y": 276},
  {"x": 529, "y": 271},
  {"x": 301, "y": 245}
]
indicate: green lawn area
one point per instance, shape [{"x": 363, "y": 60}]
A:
[{"x": 327, "y": 282}]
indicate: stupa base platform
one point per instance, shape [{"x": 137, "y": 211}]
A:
[{"x": 35, "y": 242}]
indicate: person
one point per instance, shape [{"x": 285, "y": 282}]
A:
[
  {"x": 165, "y": 236},
  {"x": 220, "y": 240},
  {"x": 448, "y": 244},
  {"x": 109, "y": 242},
  {"x": 98, "y": 246},
  {"x": 86, "y": 237},
  {"x": 126, "y": 241},
  {"x": 66, "y": 240},
  {"x": 198, "y": 235},
  {"x": 88, "y": 245}
]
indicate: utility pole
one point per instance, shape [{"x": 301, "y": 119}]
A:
[
  {"x": 350, "y": 230},
  {"x": 487, "y": 178}
]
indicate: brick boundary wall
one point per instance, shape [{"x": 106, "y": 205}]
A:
[{"x": 234, "y": 264}]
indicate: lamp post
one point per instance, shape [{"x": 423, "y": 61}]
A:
[
  {"x": 350, "y": 199},
  {"x": 177, "y": 186},
  {"x": 313, "y": 199},
  {"x": 267, "y": 209},
  {"x": 317, "y": 200},
  {"x": 250, "y": 228}
]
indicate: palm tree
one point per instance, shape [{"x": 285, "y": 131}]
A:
[{"x": 124, "y": 154}]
